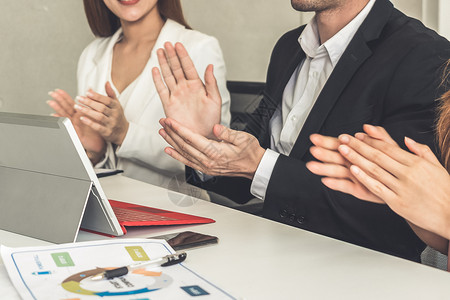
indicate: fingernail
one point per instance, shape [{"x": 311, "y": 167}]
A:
[
  {"x": 344, "y": 149},
  {"x": 48, "y": 101},
  {"x": 408, "y": 140},
  {"x": 355, "y": 169},
  {"x": 163, "y": 133},
  {"x": 89, "y": 94},
  {"x": 80, "y": 99},
  {"x": 359, "y": 136},
  {"x": 344, "y": 138},
  {"x": 78, "y": 107},
  {"x": 50, "y": 93}
]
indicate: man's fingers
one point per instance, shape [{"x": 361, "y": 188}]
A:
[
  {"x": 211, "y": 83},
  {"x": 326, "y": 142},
  {"x": 229, "y": 135},
  {"x": 169, "y": 79},
  {"x": 174, "y": 62},
  {"x": 185, "y": 145},
  {"x": 186, "y": 62},
  {"x": 196, "y": 140},
  {"x": 174, "y": 154},
  {"x": 171, "y": 141},
  {"x": 161, "y": 88},
  {"x": 175, "y": 146}
]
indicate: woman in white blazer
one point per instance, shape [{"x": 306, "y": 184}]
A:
[{"x": 117, "y": 118}]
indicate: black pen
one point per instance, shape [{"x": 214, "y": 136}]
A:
[{"x": 168, "y": 260}]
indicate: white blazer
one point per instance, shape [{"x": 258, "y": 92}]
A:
[{"x": 141, "y": 155}]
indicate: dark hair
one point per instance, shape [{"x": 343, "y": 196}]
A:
[
  {"x": 443, "y": 123},
  {"x": 104, "y": 23}
]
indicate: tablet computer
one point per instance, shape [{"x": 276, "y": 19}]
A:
[{"x": 48, "y": 187}]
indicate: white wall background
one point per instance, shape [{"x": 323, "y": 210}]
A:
[
  {"x": 41, "y": 40},
  {"x": 247, "y": 31}
]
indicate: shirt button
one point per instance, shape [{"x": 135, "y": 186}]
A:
[{"x": 294, "y": 118}]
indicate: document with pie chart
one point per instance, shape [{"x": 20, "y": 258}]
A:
[{"x": 64, "y": 271}]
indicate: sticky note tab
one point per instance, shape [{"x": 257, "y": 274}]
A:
[
  {"x": 62, "y": 259},
  {"x": 137, "y": 253},
  {"x": 194, "y": 290}
]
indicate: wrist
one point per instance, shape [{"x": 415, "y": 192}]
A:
[
  {"x": 122, "y": 135},
  {"x": 254, "y": 162},
  {"x": 95, "y": 157},
  {"x": 446, "y": 229}
]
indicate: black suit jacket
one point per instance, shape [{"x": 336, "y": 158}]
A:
[{"x": 389, "y": 76}]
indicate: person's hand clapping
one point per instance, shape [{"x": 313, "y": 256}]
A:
[
  {"x": 414, "y": 185},
  {"x": 183, "y": 95},
  {"x": 63, "y": 105},
  {"x": 230, "y": 153},
  {"x": 104, "y": 114},
  {"x": 336, "y": 168}
]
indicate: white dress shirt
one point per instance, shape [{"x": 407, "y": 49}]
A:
[
  {"x": 301, "y": 93},
  {"x": 141, "y": 154}
]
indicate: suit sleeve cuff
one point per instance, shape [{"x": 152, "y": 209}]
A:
[
  {"x": 263, "y": 174},
  {"x": 202, "y": 176}
]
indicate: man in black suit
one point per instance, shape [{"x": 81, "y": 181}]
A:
[{"x": 356, "y": 62}]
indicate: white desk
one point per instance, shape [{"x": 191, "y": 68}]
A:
[{"x": 261, "y": 259}]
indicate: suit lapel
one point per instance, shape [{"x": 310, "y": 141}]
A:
[
  {"x": 354, "y": 56},
  {"x": 298, "y": 56},
  {"x": 271, "y": 101},
  {"x": 349, "y": 63}
]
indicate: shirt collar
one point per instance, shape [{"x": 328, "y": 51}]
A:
[
  {"x": 310, "y": 42},
  {"x": 309, "y": 39}
]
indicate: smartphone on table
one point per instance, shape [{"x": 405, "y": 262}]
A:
[{"x": 187, "y": 240}]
